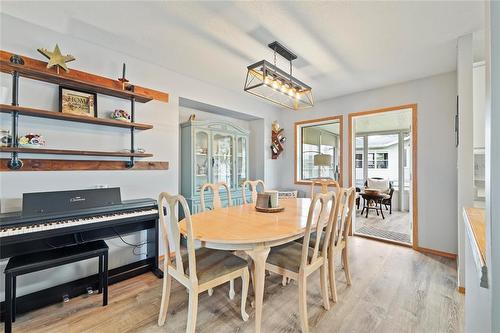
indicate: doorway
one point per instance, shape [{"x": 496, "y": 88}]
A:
[{"x": 382, "y": 167}]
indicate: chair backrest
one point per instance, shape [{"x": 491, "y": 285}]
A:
[
  {"x": 378, "y": 183},
  {"x": 216, "y": 200},
  {"x": 342, "y": 223},
  {"x": 170, "y": 227},
  {"x": 325, "y": 216},
  {"x": 253, "y": 189},
  {"x": 325, "y": 184}
]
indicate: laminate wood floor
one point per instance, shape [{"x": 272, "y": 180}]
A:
[{"x": 395, "y": 289}]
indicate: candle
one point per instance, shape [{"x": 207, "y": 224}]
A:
[{"x": 123, "y": 75}]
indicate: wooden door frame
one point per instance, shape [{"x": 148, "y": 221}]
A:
[
  {"x": 340, "y": 119},
  {"x": 414, "y": 141}
]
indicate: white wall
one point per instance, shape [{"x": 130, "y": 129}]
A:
[
  {"x": 493, "y": 151},
  {"x": 437, "y": 177},
  {"x": 465, "y": 157},
  {"x": 23, "y": 37}
]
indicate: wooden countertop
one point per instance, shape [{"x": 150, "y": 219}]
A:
[
  {"x": 476, "y": 219},
  {"x": 475, "y": 224}
]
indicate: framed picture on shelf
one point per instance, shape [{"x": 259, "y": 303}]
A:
[{"x": 81, "y": 103}]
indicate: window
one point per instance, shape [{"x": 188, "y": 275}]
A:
[
  {"x": 318, "y": 144},
  {"x": 382, "y": 160},
  {"x": 359, "y": 161}
]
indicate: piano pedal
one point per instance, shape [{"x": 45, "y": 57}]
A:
[
  {"x": 65, "y": 298},
  {"x": 90, "y": 290}
]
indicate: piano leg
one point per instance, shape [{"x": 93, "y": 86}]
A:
[
  {"x": 14, "y": 298},
  {"x": 153, "y": 238},
  {"x": 101, "y": 277},
  {"x": 8, "y": 303}
]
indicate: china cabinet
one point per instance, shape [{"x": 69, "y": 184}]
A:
[{"x": 213, "y": 152}]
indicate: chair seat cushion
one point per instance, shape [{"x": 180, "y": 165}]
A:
[
  {"x": 287, "y": 256},
  {"x": 312, "y": 239},
  {"x": 211, "y": 264}
]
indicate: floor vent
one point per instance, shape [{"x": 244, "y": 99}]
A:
[{"x": 396, "y": 236}]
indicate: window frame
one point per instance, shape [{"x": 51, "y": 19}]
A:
[{"x": 298, "y": 160}]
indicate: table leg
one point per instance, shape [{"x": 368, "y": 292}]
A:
[
  {"x": 259, "y": 257},
  {"x": 381, "y": 211}
]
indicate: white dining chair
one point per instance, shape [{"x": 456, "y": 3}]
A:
[
  {"x": 199, "y": 269},
  {"x": 297, "y": 261},
  {"x": 216, "y": 204},
  {"x": 253, "y": 184}
]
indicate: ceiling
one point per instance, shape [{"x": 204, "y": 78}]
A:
[{"x": 343, "y": 47}]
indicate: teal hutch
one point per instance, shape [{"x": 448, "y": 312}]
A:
[{"x": 212, "y": 152}]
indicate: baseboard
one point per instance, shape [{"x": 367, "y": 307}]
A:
[
  {"x": 461, "y": 290},
  {"x": 437, "y": 253},
  {"x": 389, "y": 241}
]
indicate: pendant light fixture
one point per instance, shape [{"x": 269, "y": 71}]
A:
[{"x": 268, "y": 81}]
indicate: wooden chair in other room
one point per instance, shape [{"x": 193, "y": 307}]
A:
[
  {"x": 297, "y": 261},
  {"x": 253, "y": 189},
  {"x": 324, "y": 184},
  {"x": 198, "y": 270},
  {"x": 216, "y": 204}
]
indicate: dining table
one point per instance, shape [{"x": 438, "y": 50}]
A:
[{"x": 243, "y": 228}]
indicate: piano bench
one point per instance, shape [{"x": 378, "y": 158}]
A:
[{"x": 33, "y": 262}]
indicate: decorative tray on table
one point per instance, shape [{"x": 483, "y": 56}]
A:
[{"x": 269, "y": 210}]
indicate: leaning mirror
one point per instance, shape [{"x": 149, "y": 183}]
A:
[{"x": 318, "y": 149}]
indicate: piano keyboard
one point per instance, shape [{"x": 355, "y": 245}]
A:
[{"x": 44, "y": 226}]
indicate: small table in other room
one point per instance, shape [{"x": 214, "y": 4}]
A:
[{"x": 377, "y": 198}]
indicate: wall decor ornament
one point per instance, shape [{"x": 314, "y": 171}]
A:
[
  {"x": 5, "y": 138},
  {"x": 278, "y": 140},
  {"x": 81, "y": 103},
  {"x": 31, "y": 140},
  {"x": 121, "y": 115},
  {"x": 56, "y": 58}
]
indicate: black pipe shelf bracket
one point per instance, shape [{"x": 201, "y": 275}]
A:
[
  {"x": 131, "y": 163},
  {"x": 15, "y": 163}
]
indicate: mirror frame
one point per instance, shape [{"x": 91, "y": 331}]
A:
[{"x": 300, "y": 124}]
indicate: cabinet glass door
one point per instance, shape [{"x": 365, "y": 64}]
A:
[
  {"x": 222, "y": 158},
  {"x": 241, "y": 161},
  {"x": 201, "y": 160}
]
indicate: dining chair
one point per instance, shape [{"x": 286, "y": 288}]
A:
[
  {"x": 324, "y": 184},
  {"x": 216, "y": 199},
  {"x": 199, "y": 269},
  {"x": 340, "y": 236},
  {"x": 253, "y": 189},
  {"x": 216, "y": 204},
  {"x": 297, "y": 261}
]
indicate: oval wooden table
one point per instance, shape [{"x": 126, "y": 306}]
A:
[{"x": 243, "y": 228}]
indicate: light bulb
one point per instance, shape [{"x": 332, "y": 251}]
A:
[
  {"x": 291, "y": 92},
  {"x": 267, "y": 80},
  {"x": 284, "y": 88},
  {"x": 297, "y": 95},
  {"x": 276, "y": 84}
]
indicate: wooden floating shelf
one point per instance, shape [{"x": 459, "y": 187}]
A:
[
  {"x": 71, "y": 152},
  {"x": 5, "y": 108},
  {"x": 80, "y": 165},
  {"x": 37, "y": 70}
]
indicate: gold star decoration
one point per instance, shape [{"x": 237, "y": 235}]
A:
[{"x": 56, "y": 58}]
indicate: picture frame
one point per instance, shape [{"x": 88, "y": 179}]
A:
[{"x": 77, "y": 102}]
